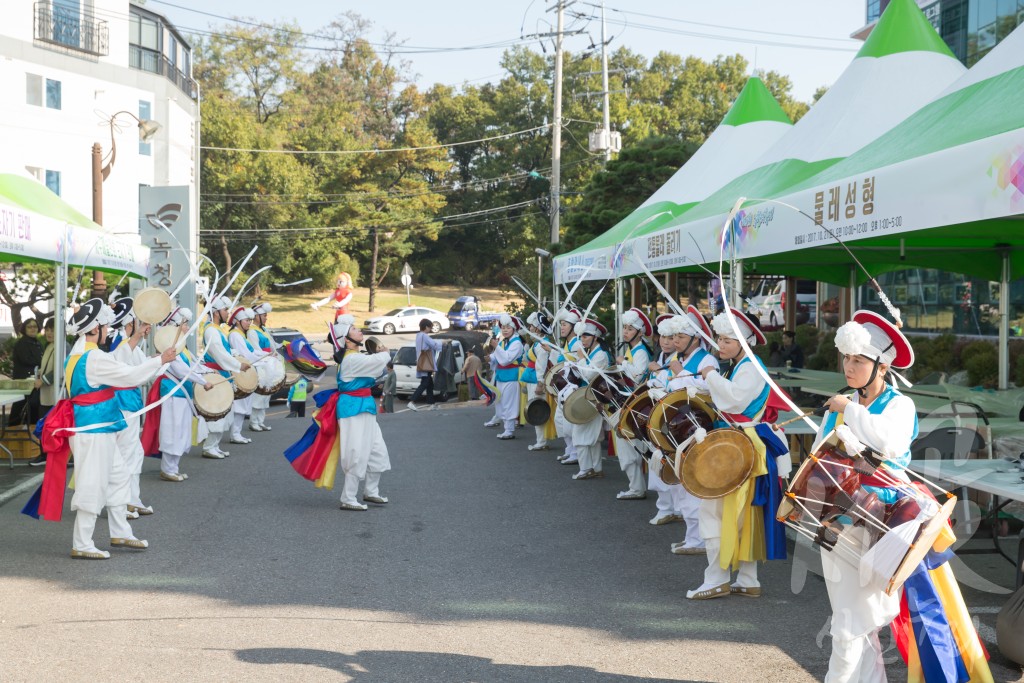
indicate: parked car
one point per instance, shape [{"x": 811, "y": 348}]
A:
[
  {"x": 406, "y": 320},
  {"x": 405, "y": 369},
  {"x": 465, "y": 314},
  {"x": 768, "y": 302}
]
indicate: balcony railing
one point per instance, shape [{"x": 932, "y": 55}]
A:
[
  {"x": 72, "y": 29},
  {"x": 154, "y": 61}
]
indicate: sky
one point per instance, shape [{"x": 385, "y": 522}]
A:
[{"x": 807, "y": 40}]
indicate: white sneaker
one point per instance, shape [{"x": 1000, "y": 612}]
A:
[
  {"x": 213, "y": 455},
  {"x": 255, "y": 428},
  {"x": 222, "y": 451},
  {"x": 505, "y": 436},
  {"x": 492, "y": 423},
  {"x": 240, "y": 439},
  {"x": 412, "y": 406},
  {"x": 265, "y": 428},
  {"x": 537, "y": 447}
]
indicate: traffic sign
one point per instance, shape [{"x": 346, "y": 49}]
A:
[{"x": 406, "y": 280}]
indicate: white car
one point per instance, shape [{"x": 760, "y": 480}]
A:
[
  {"x": 405, "y": 368},
  {"x": 768, "y": 302},
  {"x": 407, "y": 320}
]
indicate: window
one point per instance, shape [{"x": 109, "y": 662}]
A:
[
  {"x": 144, "y": 32},
  {"x": 172, "y": 51},
  {"x": 53, "y": 181},
  {"x": 145, "y": 112},
  {"x": 52, "y": 94},
  {"x": 34, "y": 90}
]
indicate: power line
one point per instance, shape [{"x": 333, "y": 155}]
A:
[
  {"x": 378, "y": 151},
  {"x": 722, "y": 26}
]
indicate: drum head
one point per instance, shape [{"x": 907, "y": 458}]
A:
[
  {"x": 668, "y": 473},
  {"x": 166, "y": 337},
  {"x": 549, "y": 378},
  {"x": 215, "y": 403},
  {"x": 671, "y": 423},
  {"x": 245, "y": 382},
  {"x": 152, "y": 305},
  {"x": 719, "y": 465},
  {"x": 635, "y": 414},
  {"x": 925, "y": 540},
  {"x": 580, "y": 408},
  {"x": 538, "y": 411}
]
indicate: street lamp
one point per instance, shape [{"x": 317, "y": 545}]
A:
[
  {"x": 541, "y": 254},
  {"x": 147, "y": 129}
]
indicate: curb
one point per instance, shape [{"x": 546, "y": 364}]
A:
[{"x": 26, "y": 485}]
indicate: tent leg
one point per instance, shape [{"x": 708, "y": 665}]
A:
[
  {"x": 1004, "y": 322},
  {"x": 60, "y": 298},
  {"x": 737, "y": 285},
  {"x": 619, "y": 291}
]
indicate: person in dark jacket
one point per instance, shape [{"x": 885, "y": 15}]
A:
[
  {"x": 791, "y": 351},
  {"x": 27, "y": 356}
]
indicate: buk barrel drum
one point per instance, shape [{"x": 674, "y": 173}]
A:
[
  {"x": 611, "y": 389},
  {"x": 555, "y": 380},
  {"x": 270, "y": 375},
  {"x": 826, "y": 498},
  {"x": 168, "y": 337},
  {"x": 213, "y": 403},
  {"x": 152, "y": 305},
  {"x": 245, "y": 382},
  {"x": 636, "y": 413},
  {"x": 676, "y": 417},
  {"x": 719, "y": 464},
  {"x": 580, "y": 407}
]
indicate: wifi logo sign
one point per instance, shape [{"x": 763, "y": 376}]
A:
[{"x": 166, "y": 216}]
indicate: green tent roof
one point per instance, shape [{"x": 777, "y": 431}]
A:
[
  {"x": 34, "y": 196},
  {"x": 755, "y": 103},
  {"x": 903, "y": 28}
]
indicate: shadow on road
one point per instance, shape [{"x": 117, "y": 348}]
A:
[{"x": 376, "y": 666}]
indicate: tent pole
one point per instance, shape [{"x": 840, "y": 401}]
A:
[
  {"x": 60, "y": 297},
  {"x": 737, "y": 284},
  {"x": 1004, "y": 321},
  {"x": 618, "y": 311}
]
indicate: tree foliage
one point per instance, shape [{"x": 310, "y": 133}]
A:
[{"x": 467, "y": 198}]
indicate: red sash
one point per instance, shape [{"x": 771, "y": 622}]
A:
[
  {"x": 151, "y": 427},
  {"x": 358, "y": 393},
  {"x": 57, "y": 446}
]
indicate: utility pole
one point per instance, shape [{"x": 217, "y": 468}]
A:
[
  {"x": 556, "y": 131},
  {"x": 373, "y": 270},
  {"x": 607, "y": 120}
]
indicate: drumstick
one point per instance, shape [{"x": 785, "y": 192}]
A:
[{"x": 817, "y": 412}]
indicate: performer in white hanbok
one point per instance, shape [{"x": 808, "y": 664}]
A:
[
  {"x": 691, "y": 342},
  {"x": 570, "y": 345},
  {"x": 126, "y": 347},
  {"x": 506, "y": 354},
  {"x": 362, "y": 451},
  {"x": 173, "y": 431},
  {"x": 633, "y": 362},
  {"x": 734, "y": 526},
  {"x": 670, "y": 499},
  {"x": 239, "y": 321},
  {"x": 532, "y": 377},
  {"x": 101, "y": 477},
  {"x": 217, "y": 355},
  {"x": 261, "y": 340},
  {"x": 877, "y": 416},
  {"x": 587, "y": 437}
]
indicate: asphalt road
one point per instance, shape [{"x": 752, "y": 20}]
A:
[{"x": 489, "y": 564}]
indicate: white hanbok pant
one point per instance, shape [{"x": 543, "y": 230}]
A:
[
  {"x": 710, "y": 516},
  {"x": 130, "y": 444},
  {"x": 240, "y": 408},
  {"x": 260, "y": 403},
  {"x": 563, "y": 428},
  {"x": 587, "y": 440},
  {"x": 631, "y": 463},
  {"x": 176, "y": 432},
  {"x": 101, "y": 481},
  {"x": 362, "y": 454},
  {"x": 859, "y": 611},
  {"x": 506, "y": 408}
]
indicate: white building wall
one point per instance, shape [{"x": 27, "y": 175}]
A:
[{"x": 93, "y": 88}]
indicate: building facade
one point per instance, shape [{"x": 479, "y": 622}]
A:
[{"x": 69, "y": 68}]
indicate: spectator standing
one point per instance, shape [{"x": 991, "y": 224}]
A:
[
  {"x": 297, "y": 398},
  {"x": 390, "y": 389},
  {"x": 44, "y": 385},
  {"x": 26, "y": 358},
  {"x": 470, "y": 367},
  {"x": 425, "y": 343},
  {"x": 792, "y": 354}
]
